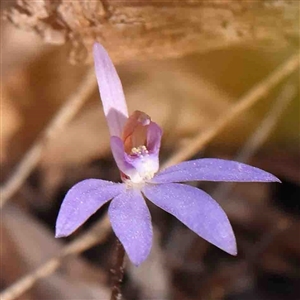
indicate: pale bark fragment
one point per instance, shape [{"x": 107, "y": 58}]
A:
[{"x": 143, "y": 29}]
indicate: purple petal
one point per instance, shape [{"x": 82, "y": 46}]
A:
[
  {"x": 111, "y": 91},
  {"x": 83, "y": 200},
  {"x": 131, "y": 222},
  {"x": 212, "y": 169},
  {"x": 118, "y": 151},
  {"x": 154, "y": 135},
  {"x": 197, "y": 210}
]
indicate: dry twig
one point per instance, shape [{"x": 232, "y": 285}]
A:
[
  {"x": 260, "y": 135},
  {"x": 255, "y": 141},
  {"x": 95, "y": 236},
  {"x": 62, "y": 118},
  {"x": 223, "y": 190},
  {"x": 253, "y": 96}
]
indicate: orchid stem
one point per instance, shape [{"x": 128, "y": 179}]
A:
[{"x": 118, "y": 272}]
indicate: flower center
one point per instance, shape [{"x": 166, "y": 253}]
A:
[{"x": 139, "y": 151}]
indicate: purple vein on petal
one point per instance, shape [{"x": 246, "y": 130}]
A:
[
  {"x": 111, "y": 91},
  {"x": 197, "y": 210},
  {"x": 213, "y": 169},
  {"x": 83, "y": 200},
  {"x": 131, "y": 221}
]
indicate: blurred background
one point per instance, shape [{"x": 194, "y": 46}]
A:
[{"x": 186, "y": 65}]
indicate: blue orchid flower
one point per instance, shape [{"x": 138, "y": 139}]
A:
[{"x": 135, "y": 143}]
